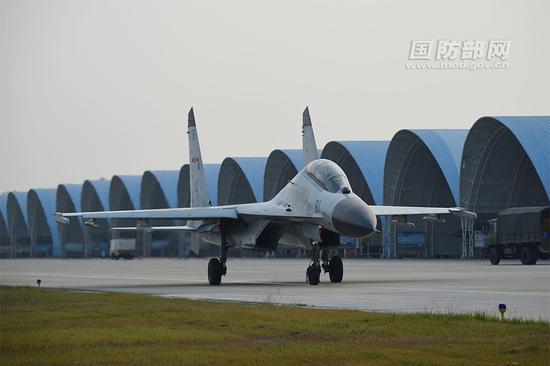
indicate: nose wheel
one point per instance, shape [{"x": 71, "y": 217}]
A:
[
  {"x": 334, "y": 267},
  {"x": 313, "y": 271},
  {"x": 313, "y": 274}
]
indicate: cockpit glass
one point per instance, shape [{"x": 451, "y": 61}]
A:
[{"x": 328, "y": 175}]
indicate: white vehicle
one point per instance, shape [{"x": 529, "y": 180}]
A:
[
  {"x": 122, "y": 248},
  {"x": 311, "y": 211}
]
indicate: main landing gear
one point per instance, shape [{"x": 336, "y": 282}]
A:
[
  {"x": 334, "y": 267},
  {"x": 216, "y": 266}
]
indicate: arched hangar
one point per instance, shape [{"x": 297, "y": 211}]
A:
[
  {"x": 95, "y": 197},
  {"x": 124, "y": 194},
  {"x": 422, "y": 169},
  {"x": 363, "y": 163},
  {"x": 506, "y": 163},
  {"x": 5, "y": 249},
  {"x": 241, "y": 180},
  {"x": 159, "y": 190},
  {"x": 44, "y": 235},
  {"x": 211, "y": 172},
  {"x": 71, "y": 236},
  {"x": 18, "y": 228},
  {"x": 280, "y": 168}
]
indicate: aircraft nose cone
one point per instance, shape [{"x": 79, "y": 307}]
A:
[{"x": 354, "y": 218}]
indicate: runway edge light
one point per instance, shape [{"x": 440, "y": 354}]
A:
[{"x": 502, "y": 309}]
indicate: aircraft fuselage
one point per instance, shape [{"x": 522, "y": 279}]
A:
[{"x": 320, "y": 191}]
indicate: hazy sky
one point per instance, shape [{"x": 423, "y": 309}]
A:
[{"x": 89, "y": 89}]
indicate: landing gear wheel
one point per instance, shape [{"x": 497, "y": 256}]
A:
[
  {"x": 313, "y": 274},
  {"x": 534, "y": 255},
  {"x": 494, "y": 257},
  {"x": 215, "y": 272},
  {"x": 336, "y": 272},
  {"x": 528, "y": 256}
]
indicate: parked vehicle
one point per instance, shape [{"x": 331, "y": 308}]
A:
[
  {"x": 122, "y": 248},
  {"x": 519, "y": 232}
]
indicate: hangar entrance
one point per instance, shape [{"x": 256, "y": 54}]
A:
[
  {"x": 17, "y": 227},
  {"x": 4, "y": 238},
  {"x": 40, "y": 233},
  {"x": 71, "y": 237},
  {"x": 236, "y": 180},
  {"x": 119, "y": 199},
  {"x": 233, "y": 186},
  {"x": 413, "y": 177},
  {"x": 156, "y": 243},
  {"x": 96, "y": 240},
  {"x": 497, "y": 173}
]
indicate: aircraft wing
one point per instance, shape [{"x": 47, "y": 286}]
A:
[
  {"x": 221, "y": 212},
  {"x": 411, "y": 210},
  {"x": 252, "y": 211},
  {"x": 200, "y": 226}
]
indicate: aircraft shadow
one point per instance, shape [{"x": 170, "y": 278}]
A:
[{"x": 289, "y": 284}]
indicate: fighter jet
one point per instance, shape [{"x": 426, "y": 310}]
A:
[{"x": 312, "y": 211}]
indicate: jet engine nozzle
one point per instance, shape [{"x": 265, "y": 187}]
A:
[{"x": 352, "y": 217}]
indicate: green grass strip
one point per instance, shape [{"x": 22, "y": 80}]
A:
[{"x": 55, "y": 327}]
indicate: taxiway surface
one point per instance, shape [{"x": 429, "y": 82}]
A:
[{"x": 374, "y": 285}]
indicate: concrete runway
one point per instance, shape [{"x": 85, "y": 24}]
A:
[{"x": 374, "y": 285}]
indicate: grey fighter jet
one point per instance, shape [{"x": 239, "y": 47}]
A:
[{"x": 312, "y": 211}]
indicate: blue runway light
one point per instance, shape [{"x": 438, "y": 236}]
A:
[{"x": 502, "y": 309}]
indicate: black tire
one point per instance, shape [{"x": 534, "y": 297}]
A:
[
  {"x": 534, "y": 255},
  {"x": 313, "y": 275},
  {"x": 215, "y": 270},
  {"x": 494, "y": 256},
  {"x": 336, "y": 269},
  {"x": 528, "y": 256}
]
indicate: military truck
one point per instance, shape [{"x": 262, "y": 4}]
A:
[{"x": 519, "y": 232}]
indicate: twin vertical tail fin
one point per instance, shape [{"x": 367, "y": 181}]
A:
[
  {"x": 197, "y": 178},
  {"x": 308, "y": 139}
]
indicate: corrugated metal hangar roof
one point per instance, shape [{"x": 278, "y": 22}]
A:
[
  {"x": 241, "y": 180},
  {"x": 506, "y": 164},
  {"x": 280, "y": 168},
  {"x": 363, "y": 163}
]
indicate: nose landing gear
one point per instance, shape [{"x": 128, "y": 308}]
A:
[
  {"x": 313, "y": 271},
  {"x": 334, "y": 267}
]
